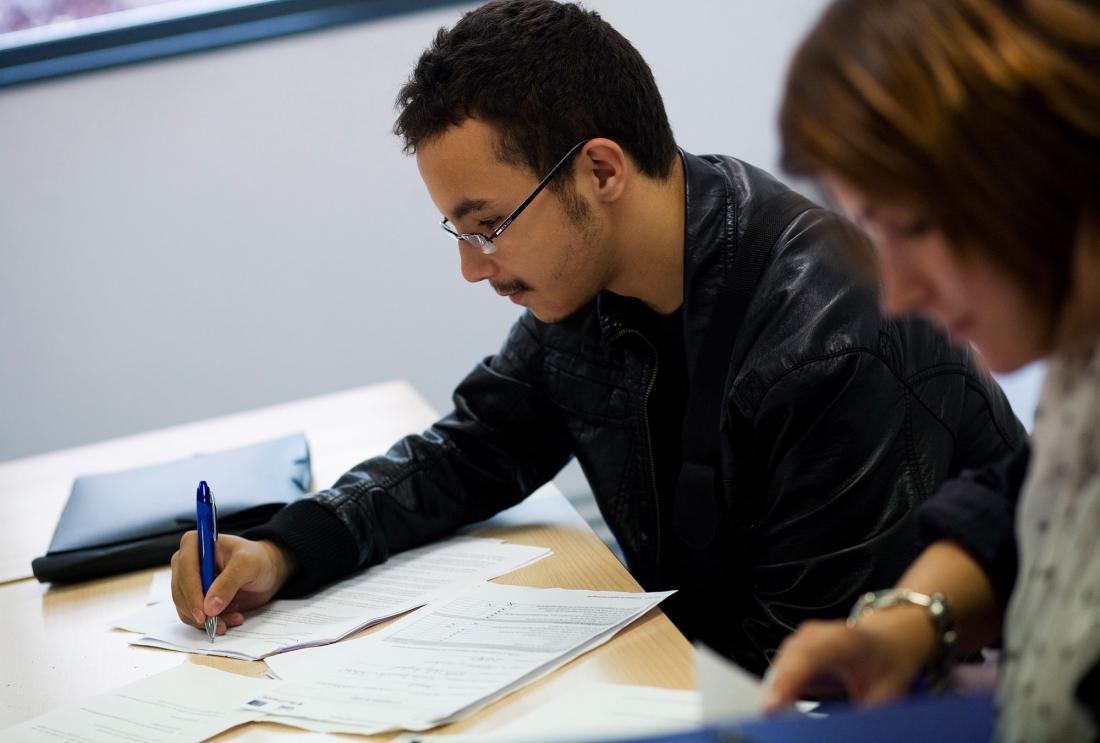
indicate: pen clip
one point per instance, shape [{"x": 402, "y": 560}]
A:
[{"x": 214, "y": 511}]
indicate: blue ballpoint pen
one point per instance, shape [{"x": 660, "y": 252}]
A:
[{"x": 206, "y": 515}]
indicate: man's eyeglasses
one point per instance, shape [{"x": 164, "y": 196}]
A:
[{"x": 485, "y": 243}]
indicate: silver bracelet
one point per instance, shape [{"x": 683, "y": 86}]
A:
[{"x": 939, "y": 665}]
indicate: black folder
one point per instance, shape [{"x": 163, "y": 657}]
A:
[{"x": 122, "y": 521}]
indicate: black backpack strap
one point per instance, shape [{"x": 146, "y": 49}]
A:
[{"x": 696, "y": 512}]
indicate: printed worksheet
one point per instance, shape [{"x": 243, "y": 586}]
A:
[
  {"x": 590, "y": 712},
  {"x": 405, "y": 581},
  {"x": 186, "y": 704},
  {"x": 446, "y": 660}
]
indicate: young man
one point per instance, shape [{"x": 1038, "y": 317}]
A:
[{"x": 754, "y": 430}]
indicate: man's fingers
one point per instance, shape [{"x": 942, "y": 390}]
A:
[
  {"x": 244, "y": 582},
  {"x": 180, "y": 604},
  {"x": 238, "y": 571},
  {"x": 186, "y": 583}
]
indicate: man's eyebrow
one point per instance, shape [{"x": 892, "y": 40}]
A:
[{"x": 466, "y": 206}]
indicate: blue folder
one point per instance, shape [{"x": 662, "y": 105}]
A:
[
  {"x": 963, "y": 718},
  {"x": 121, "y": 521}
]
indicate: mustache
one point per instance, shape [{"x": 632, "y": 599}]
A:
[{"x": 509, "y": 288}]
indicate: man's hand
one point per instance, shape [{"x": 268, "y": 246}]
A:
[{"x": 250, "y": 574}]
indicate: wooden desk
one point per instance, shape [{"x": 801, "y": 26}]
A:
[{"x": 55, "y": 645}]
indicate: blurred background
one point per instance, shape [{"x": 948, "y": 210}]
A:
[{"x": 208, "y": 233}]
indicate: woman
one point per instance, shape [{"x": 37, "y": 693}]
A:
[{"x": 964, "y": 136}]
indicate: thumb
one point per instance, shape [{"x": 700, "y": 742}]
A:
[{"x": 237, "y": 572}]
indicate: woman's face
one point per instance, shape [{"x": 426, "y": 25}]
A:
[{"x": 972, "y": 298}]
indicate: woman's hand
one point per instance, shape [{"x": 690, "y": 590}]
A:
[{"x": 874, "y": 661}]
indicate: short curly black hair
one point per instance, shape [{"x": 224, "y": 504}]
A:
[{"x": 545, "y": 75}]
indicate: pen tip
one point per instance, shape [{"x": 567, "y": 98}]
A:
[{"x": 203, "y": 490}]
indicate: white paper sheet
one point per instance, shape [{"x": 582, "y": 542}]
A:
[
  {"x": 729, "y": 692},
  {"x": 153, "y": 615},
  {"x": 160, "y": 587},
  {"x": 406, "y": 581},
  {"x": 446, "y": 660},
  {"x": 186, "y": 704},
  {"x": 590, "y": 712}
]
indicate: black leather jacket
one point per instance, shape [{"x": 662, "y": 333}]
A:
[{"x": 836, "y": 421}]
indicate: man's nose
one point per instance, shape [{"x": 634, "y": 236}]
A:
[{"x": 476, "y": 266}]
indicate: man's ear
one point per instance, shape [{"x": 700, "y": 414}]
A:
[{"x": 605, "y": 167}]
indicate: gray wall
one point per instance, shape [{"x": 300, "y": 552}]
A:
[{"x": 201, "y": 235}]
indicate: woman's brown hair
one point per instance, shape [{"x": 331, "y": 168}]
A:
[{"x": 982, "y": 115}]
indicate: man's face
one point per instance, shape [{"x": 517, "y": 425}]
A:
[{"x": 550, "y": 260}]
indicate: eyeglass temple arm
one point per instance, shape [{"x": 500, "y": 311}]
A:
[{"x": 542, "y": 184}]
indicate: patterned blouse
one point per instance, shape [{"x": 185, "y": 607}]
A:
[{"x": 1052, "y": 628}]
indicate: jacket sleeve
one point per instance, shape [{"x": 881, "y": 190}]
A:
[
  {"x": 501, "y": 442},
  {"x": 978, "y": 511},
  {"x": 838, "y": 479}
]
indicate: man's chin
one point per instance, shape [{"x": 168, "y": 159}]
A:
[
  {"x": 543, "y": 316},
  {"x": 552, "y": 315}
]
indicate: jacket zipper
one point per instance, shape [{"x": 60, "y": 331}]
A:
[{"x": 649, "y": 441}]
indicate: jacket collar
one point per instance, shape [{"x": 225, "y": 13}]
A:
[{"x": 710, "y": 224}]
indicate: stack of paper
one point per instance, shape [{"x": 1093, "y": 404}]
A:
[
  {"x": 406, "y": 581},
  {"x": 446, "y": 660}
]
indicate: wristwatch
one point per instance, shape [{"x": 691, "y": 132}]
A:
[{"x": 939, "y": 666}]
